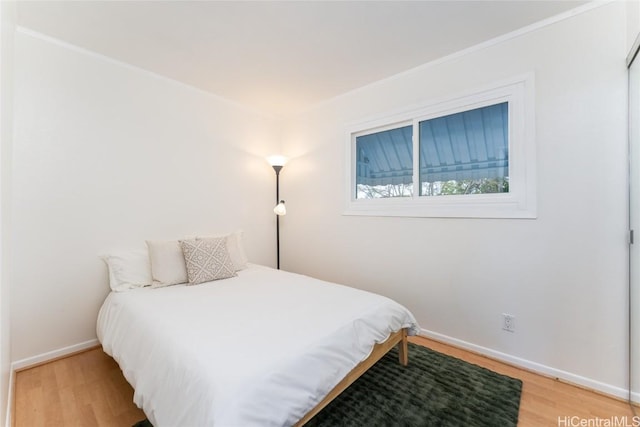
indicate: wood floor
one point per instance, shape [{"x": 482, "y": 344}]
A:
[{"x": 89, "y": 390}]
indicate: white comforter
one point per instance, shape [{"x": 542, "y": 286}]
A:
[{"x": 260, "y": 349}]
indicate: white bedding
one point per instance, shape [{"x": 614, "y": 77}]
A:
[{"x": 260, "y": 349}]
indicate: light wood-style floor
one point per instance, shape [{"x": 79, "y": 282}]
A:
[{"x": 88, "y": 389}]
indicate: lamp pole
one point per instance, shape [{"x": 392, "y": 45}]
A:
[{"x": 277, "y": 168}]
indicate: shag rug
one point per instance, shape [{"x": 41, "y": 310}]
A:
[{"x": 434, "y": 390}]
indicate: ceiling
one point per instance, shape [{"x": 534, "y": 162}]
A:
[{"x": 280, "y": 57}]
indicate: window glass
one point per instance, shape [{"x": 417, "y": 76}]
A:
[
  {"x": 384, "y": 164},
  {"x": 465, "y": 153}
]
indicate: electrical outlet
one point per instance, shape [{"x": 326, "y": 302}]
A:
[{"x": 508, "y": 322}]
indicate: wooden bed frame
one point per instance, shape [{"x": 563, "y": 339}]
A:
[{"x": 379, "y": 350}]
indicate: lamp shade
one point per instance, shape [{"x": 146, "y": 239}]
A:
[
  {"x": 277, "y": 160},
  {"x": 280, "y": 208}
]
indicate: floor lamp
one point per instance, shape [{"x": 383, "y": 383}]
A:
[{"x": 277, "y": 162}]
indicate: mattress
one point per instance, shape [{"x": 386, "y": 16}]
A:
[{"x": 260, "y": 349}]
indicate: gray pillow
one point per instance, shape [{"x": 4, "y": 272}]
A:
[{"x": 207, "y": 259}]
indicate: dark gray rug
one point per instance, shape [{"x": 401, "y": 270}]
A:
[{"x": 434, "y": 390}]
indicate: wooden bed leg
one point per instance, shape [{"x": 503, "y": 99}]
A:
[{"x": 403, "y": 349}]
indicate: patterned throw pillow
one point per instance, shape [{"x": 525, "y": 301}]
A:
[{"x": 207, "y": 260}]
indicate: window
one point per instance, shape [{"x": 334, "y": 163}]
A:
[
  {"x": 384, "y": 165},
  {"x": 470, "y": 156},
  {"x": 465, "y": 153}
]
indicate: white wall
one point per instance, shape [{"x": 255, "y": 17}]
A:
[
  {"x": 7, "y": 27},
  {"x": 633, "y": 22},
  {"x": 563, "y": 275},
  {"x": 106, "y": 156}
]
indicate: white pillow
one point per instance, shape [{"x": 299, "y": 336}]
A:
[
  {"x": 167, "y": 263},
  {"x": 207, "y": 260},
  {"x": 235, "y": 248},
  {"x": 128, "y": 270}
]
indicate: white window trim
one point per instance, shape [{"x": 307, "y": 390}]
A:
[{"x": 520, "y": 202}]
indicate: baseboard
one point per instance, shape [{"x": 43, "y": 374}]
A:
[
  {"x": 30, "y": 362},
  {"x": 620, "y": 393}
]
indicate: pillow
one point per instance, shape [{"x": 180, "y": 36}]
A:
[
  {"x": 207, "y": 260},
  {"x": 167, "y": 263},
  {"x": 236, "y": 249},
  {"x": 128, "y": 270}
]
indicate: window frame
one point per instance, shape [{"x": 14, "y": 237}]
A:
[{"x": 519, "y": 202}]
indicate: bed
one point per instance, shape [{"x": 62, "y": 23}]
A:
[{"x": 265, "y": 348}]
